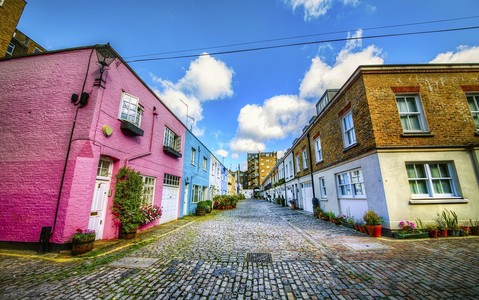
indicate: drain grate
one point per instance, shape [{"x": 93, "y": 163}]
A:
[{"x": 259, "y": 257}]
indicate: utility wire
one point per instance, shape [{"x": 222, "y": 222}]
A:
[
  {"x": 305, "y": 36},
  {"x": 307, "y": 43}
]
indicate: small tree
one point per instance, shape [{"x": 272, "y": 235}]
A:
[{"x": 128, "y": 199}]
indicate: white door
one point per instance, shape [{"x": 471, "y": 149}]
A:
[
  {"x": 185, "y": 201},
  {"x": 308, "y": 196},
  {"x": 100, "y": 197},
  {"x": 169, "y": 203}
]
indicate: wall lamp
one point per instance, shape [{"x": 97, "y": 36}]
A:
[{"x": 105, "y": 57}]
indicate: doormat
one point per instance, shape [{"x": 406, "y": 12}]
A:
[{"x": 133, "y": 262}]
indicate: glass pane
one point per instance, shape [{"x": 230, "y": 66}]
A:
[
  {"x": 446, "y": 186},
  {"x": 402, "y": 107},
  {"x": 444, "y": 170},
  {"x": 435, "y": 172},
  {"x": 418, "y": 187},
  {"x": 411, "y": 104},
  {"x": 411, "y": 171},
  {"x": 358, "y": 189},
  {"x": 472, "y": 103},
  {"x": 414, "y": 123}
]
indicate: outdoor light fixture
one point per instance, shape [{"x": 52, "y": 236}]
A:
[{"x": 105, "y": 57}]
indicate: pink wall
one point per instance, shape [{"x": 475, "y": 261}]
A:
[{"x": 35, "y": 132}]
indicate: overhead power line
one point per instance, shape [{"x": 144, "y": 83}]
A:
[
  {"x": 308, "y": 43},
  {"x": 305, "y": 36}
]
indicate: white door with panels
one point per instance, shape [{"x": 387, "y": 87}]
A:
[{"x": 100, "y": 197}]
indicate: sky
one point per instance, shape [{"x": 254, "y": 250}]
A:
[{"x": 244, "y": 75}]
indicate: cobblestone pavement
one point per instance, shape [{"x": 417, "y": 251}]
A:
[{"x": 207, "y": 258}]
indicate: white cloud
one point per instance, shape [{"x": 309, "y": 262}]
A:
[
  {"x": 246, "y": 145},
  {"x": 222, "y": 153},
  {"x": 322, "y": 76},
  {"x": 353, "y": 3},
  {"x": 277, "y": 118},
  {"x": 464, "y": 54},
  {"x": 234, "y": 155},
  {"x": 314, "y": 9},
  {"x": 207, "y": 79},
  {"x": 280, "y": 153}
]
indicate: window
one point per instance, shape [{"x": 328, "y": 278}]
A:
[
  {"x": 431, "y": 180},
  {"x": 473, "y": 101},
  {"x": 318, "y": 150},
  {"x": 193, "y": 156},
  {"x": 172, "y": 140},
  {"x": 351, "y": 184},
  {"x": 11, "y": 48},
  {"x": 104, "y": 168},
  {"x": 305, "y": 160},
  {"x": 171, "y": 180},
  {"x": 148, "y": 189},
  {"x": 298, "y": 167},
  {"x": 37, "y": 50},
  {"x": 322, "y": 188},
  {"x": 347, "y": 127},
  {"x": 205, "y": 163},
  {"x": 197, "y": 194},
  {"x": 130, "y": 109},
  {"x": 410, "y": 113}
]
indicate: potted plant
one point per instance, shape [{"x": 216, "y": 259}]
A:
[
  {"x": 83, "y": 241},
  {"x": 209, "y": 206},
  {"x": 317, "y": 212},
  {"x": 150, "y": 213},
  {"x": 408, "y": 230},
  {"x": 127, "y": 202},
  {"x": 373, "y": 223},
  {"x": 450, "y": 219},
  {"x": 292, "y": 203},
  {"x": 441, "y": 226},
  {"x": 474, "y": 227},
  {"x": 201, "y": 208},
  {"x": 432, "y": 230}
]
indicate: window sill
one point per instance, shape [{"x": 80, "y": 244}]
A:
[
  {"x": 131, "y": 129},
  {"x": 170, "y": 151},
  {"x": 323, "y": 199},
  {"x": 476, "y": 133},
  {"x": 317, "y": 163},
  {"x": 452, "y": 200},
  {"x": 350, "y": 146},
  {"x": 418, "y": 134}
]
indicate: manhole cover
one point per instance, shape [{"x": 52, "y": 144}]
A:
[
  {"x": 259, "y": 257},
  {"x": 133, "y": 262},
  {"x": 366, "y": 246}
]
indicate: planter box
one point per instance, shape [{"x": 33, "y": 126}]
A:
[
  {"x": 82, "y": 247},
  {"x": 410, "y": 235}
]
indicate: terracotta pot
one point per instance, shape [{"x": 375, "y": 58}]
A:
[
  {"x": 433, "y": 233},
  {"x": 356, "y": 227},
  {"x": 474, "y": 230},
  {"x": 443, "y": 232},
  {"x": 374, "y": 230}
]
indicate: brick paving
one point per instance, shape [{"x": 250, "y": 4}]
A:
[{"x": 206, "y": 258}]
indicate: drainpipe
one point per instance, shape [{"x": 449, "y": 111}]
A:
[
  {"x": 155, "y": 113},
  {"x": 47, "y": 233}
]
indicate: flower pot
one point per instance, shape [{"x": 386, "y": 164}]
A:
[
  {"x": 474, "y": 230},
  {"x": 128, "y": 235},
  {"x": 82, "y": 247},
  {"x": 200, "y": 211},
  {"x": 356, "y": 227},
  {"x": 433, "y": 233},
  {"x": 466, "y": 229},
  {"x": 443, "y": 232},
  {"x": 374, "y": 230}
]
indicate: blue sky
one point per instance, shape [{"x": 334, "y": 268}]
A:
[{"x": 256, "y": 100}]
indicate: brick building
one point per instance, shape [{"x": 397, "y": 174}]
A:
[
  {"x": 402, "y": 140},
  {"x": 259, "y": 165},
  {"x": 68, "y": 124}
]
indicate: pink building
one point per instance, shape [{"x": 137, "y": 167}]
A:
[{"x": 88, "y": 105}]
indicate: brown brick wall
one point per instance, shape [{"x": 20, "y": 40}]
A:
[
  {"x": 10, "y": 13},
  {"x": 298, "y": 150},
  {"x": 443, "y": 99}
]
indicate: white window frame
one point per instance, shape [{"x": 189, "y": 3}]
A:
[
  {"x": 347, "y": 129},
  {"x": 171, "y": 180},
  {"x": 318, "y": 150},
  {"x": 409, "y": 115},
  {"x": 298, "y": 166},
  {"x": 473, "y": 100},
  {"x": 322, "y": 188},
  {"x": 130, "y": 109},
  {"x": 11, "y": 47},
  {"x": 350, "y": 184},
  {"x": 193, "y": 156},
  {"x": 197, "y": 193},
  {"x": 172, "y": 140},
  {"x": 149, "y": 184},
  {"x": 429, "y": 180},
  {"x": 205, "y": 163},
  {"x": 305, "y": 159}
]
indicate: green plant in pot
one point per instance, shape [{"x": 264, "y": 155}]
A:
[
  {"x": 201, "y": 208},
  {"x": 373, "y": 223},
  {"x": 127, "y": 201}
]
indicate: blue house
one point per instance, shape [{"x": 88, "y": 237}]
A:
[{"x": 196, "y": 172}]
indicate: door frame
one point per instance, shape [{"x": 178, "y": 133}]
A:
[{"x": 106, "y": 180}]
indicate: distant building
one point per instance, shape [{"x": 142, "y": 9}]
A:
[
  {"x": 259, "y": 165},
  {"x": 13, "y": 42}
]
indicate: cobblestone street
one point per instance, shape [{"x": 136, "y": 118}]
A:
[{"x": 207, "y": 258}]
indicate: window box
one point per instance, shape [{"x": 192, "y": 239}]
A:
[
  {"x": 130, "y": 129},
  {"x": 419, "y": 235},
  {"x": 169, "y": 150}
]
